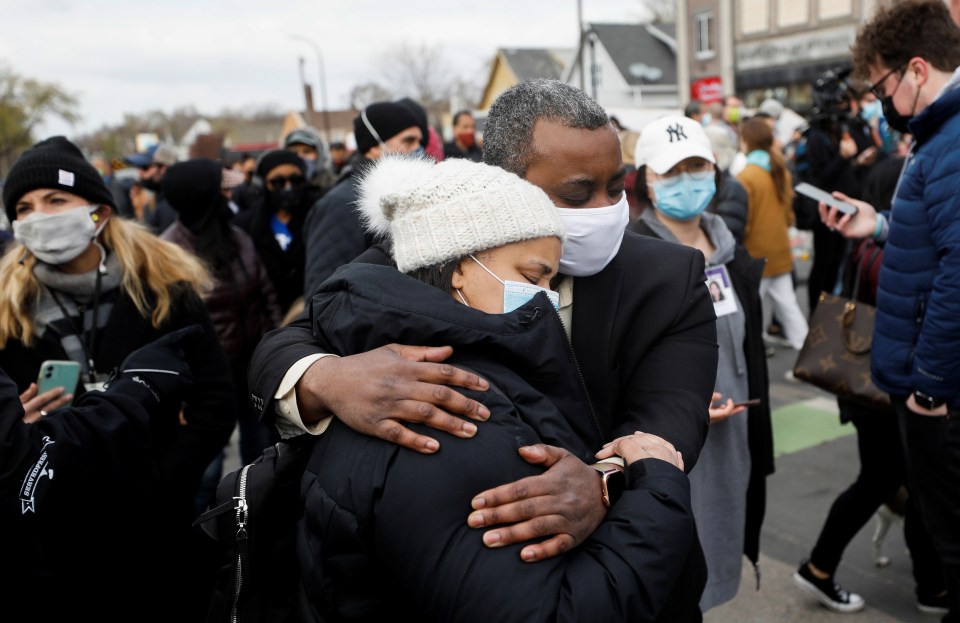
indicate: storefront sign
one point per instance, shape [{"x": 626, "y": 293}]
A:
[
  {"x": 803, "y": 48},
  {"x": 707, "y": 90}
]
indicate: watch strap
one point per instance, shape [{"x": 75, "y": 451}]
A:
[{"x": 612, "y": 481}]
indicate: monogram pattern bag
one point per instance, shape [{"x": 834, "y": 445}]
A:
[{"x": 836, "y": 353}]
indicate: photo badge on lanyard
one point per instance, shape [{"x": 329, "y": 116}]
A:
[{"x": 721, "y": 290}]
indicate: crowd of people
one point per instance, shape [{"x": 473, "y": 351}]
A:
[{"x": 532, "y": 369}]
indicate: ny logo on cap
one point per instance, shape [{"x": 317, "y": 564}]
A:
[{"x": 676, "y": 131}]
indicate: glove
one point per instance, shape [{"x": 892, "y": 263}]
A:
[{"x": 161, "y": 367}]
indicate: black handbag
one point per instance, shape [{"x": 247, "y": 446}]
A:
[{"x": 836, "y": 352}]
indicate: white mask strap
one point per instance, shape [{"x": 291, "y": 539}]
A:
[
  {"x": 462, "y": 300},
  {"x": 487, "y": 269},
  {"x": 366, "y": 122}
]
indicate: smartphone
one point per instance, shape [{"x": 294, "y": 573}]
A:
[
  {"x": 753, "y": 402},
  {"x": 58, "y": 373},
  {"x": 818, "y": 194}
]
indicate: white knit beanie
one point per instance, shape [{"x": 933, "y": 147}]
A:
[{"x": 437, "y": 212}]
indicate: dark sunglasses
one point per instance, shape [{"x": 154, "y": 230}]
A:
[
  {"x": 875, "y": 87},
  {"x": 278, "y": 183}
]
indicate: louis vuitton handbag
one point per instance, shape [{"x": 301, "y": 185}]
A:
[{"x": 836, "y": 353}]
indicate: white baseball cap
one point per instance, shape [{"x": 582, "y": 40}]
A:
[{"x": 668, "y": 140}]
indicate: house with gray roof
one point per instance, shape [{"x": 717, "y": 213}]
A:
[
  {"x": 511, "y": 65},
  {"x": 628, "y": 67}
]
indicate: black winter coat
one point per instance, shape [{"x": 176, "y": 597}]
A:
[
  {"x": 333, "y": 231},
  {"x": 384, "y": 534},
  {"x": 285, "y": 268},
  {"x": 242, "y": 304},
  {"x": 644, "y": 332},
  {"x": 210, "y": 407},
  {"x": 86, "y": 533}
]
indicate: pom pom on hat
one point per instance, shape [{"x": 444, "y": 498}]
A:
[{"x": 438, "y": 212}]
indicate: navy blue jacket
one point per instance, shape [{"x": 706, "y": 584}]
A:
[{"x": 917, "y": 327}]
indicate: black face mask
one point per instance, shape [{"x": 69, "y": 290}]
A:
[
  {"x": 290, "y": 200},
  {"x": 894, "y": 119},
  {"x": 150, "y": 184}
]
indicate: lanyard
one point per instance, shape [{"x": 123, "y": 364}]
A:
[{"x": 90, "y": 343}]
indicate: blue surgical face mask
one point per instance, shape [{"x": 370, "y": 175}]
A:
[
  {"x": 705, "y": 119},
  {"x": 872, "y": 110},
  {"x": 685, "y": 196},
  {"x": 517, "y": 293}
]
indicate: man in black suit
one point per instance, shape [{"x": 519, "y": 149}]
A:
[{"x": 641, "y": 325}]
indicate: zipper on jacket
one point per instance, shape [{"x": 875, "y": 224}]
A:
[
  {"x": 921, "y": 310},
  {"x": 526, "y": 320},
  {"x": 242, "y": 541}
]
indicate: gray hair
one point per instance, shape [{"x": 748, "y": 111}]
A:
[{"x": 508, "y": 130}]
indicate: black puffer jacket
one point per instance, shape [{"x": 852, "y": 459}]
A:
[
  {"x": 88, "y": 531},
  {"x": 384, "y": 533},
  {"x": 242, "y": 304}
]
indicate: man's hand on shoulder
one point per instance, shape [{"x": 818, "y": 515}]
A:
[
  {"x": 375, "y": 392},
  {"x": 563, "y": 503}
]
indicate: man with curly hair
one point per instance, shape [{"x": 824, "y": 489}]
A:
[{"x": 910, "y": 52}]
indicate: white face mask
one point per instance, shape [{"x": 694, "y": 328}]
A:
[
  {"x": 593, "y": 237},
  {"x": 516, "y": 293},
  {"x": 58, "y": 238}
]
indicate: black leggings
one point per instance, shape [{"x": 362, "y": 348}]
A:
[{"x": 882, "y": 473}]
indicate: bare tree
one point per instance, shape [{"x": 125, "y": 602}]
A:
[
  {"x": 659, "y": 11},
  {"x": 362, "y": 95},
  {"x": 420, "y": 72},
  {"x": 24, "y": 103}
]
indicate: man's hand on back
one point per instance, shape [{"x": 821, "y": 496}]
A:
[
  {"x": 563, "y": 504},
  {"x": 374, "y": 392}
]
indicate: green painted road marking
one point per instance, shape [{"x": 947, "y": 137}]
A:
[{"x": 800, "y": 425}]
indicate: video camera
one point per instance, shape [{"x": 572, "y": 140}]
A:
[{"x": 831, "y": 91}]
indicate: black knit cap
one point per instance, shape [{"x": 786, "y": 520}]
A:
[
  {"x": 421, "y": 113},
  {"x": 387, "y": 118},
  {"x": 54, "y": 163},
  {"x": 273, "y": 159},
  {"x": 192, "y": 188}
]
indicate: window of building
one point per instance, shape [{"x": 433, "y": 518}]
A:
[
  {"x": 754, "y": 16},
  {"x": 702, "y": 35},
  {"x": 829, "y": 9},
  {"x": 792, "y": 13}
]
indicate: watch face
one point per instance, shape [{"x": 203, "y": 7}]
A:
[
  {"x": 927, "y": 402},
  {"x": 615, "y": 484}
]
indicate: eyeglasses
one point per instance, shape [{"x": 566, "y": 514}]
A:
[
  {"x": 278, "y": 183},
  {"x": 875, "y": 88},
  {"x": 697, "y": 168}
]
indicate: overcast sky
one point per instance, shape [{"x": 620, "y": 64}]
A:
[{"x": 134, "y": 55}]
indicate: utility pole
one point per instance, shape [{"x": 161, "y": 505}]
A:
[
  {"x": 583, "y": 83},
  {"x": 323, "y": 83}
]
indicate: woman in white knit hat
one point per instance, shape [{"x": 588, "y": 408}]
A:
[{"x": 383, "y": 533}]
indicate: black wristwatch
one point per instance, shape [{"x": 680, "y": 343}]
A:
[
  {"x": 927, "y": 402},
  {"x": 612, "y": 482}
]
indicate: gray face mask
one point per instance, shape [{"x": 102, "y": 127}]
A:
[{"x": 58, "y": 238}]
